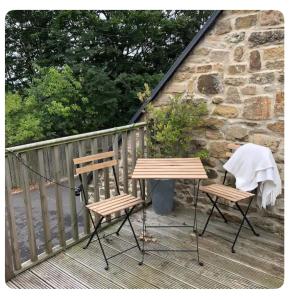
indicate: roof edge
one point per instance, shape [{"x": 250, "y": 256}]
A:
[{"x": 177, "y": 63}]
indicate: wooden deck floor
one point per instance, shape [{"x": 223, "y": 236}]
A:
[{"x": 257, "y": 263}]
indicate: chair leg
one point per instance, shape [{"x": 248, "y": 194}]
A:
[
  {"x": 205, "y": 226},
  {"x": 247, "y": 220},
  {"x": 99, "y": 240},
  {"x": 128, "y": 214},
  {"x": 94, "y": 232},
  {"x": 215, "y": 205},
  {"x": 103, "y": 251},
  {"x": 124, "y": 221},
  {"x": 241, "y": 225}
]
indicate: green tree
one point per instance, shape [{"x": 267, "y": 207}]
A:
[
  {"x": 111, "y": 54},
  {"x": 50, "y": 107},
  {"x": 22, "y": 125}
]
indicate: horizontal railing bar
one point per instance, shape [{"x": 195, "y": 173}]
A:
[{"x": 73, "y": 138}]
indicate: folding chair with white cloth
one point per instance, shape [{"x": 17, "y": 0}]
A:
[{"x": 256, "y": 174}]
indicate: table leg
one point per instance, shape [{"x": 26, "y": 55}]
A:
[
  {"x": 195, "y": 222},
  {"x": 143, "y": 219}
]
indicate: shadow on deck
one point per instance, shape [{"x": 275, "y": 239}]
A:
[{"x": 257, "y": 263}]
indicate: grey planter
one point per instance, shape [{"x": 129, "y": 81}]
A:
[{"x": 161, "y": 192}]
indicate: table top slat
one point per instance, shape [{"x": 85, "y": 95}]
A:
[{"x": 169, "y": 168}]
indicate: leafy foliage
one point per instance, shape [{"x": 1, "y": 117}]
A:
[
  {"x": 171, "y": 127},
  {"x": 50, "y": 107},
  {"x": 111, "y": 54}
]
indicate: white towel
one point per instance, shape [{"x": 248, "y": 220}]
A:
[{"x": 252, "y": 164}]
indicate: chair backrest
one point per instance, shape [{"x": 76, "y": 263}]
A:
[
  {"x": 93, "y": 163},
  {"x": 232, "y": 148}
]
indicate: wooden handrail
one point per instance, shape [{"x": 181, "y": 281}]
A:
[{"x": 73, "y": 138}]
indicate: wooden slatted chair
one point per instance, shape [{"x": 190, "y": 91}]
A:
[
  {"x": 230, "y": 194},
  {"x": 113, "y": 205}
]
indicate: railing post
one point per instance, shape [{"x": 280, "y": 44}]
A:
[
  {"x": 9, "y": 274},
  {"x": 125, "y": 161},
  {"x": 28, "y": 208},
  {"x": 105, "y": 147},
  {"x": 11, "y": 219},
  {"x": 133, "y": 161},
  {"x": 43, "y": 201},
  {"x": 141, "y": 153},
  {"x": 58, "y": 195},
  {"x": 85, "y": 185},
  {"x": 72, "y": 197},
  {"x": 95, "y": 150}
]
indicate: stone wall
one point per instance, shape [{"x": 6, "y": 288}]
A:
[{"x": 237, "y": 69}]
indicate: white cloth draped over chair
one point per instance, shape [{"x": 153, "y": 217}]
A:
[{"x": 251, "y": 165}]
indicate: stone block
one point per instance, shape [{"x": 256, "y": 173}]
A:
[
  {"x": 273, "y": 53},
  {"x": 277, "y": 127},
  {"x": 226, "y": 111},
  {"x": 257, "y": 108},
  {"x": 262, "y": 78},
  {"x": 236, "y": 69},
  {"x": 255, "y": 60},
  {"x": 214, "y": 123},
  {"x": 191, "y": 86},
  {"x": 218, "y": 149},
  {"x": 232, "y": 95},
  {"x": 201, "y": 51},
  {"x": 209, "y": 84},
  {"x": 271, "y": 18},
  {"x": 249, "y": 90},
  {"x": 265, "y": 140},
  {"x": 238, "y": 53},
  {"x": 235, "y": 38},
  {"x": 214, "y": 134},
  {"x": 203, "y": 68},
  {"x": 217, "y": 100},
  {"x": 266, "y": 38},
  {"x": 219, "y": 67},
  {"x": 246, "y": 21},
  {"x": 275, "y": 65},
  {"x": 281, "y": 77},
  {"x": 223, "y": 26},
  {"x": 210, "y": 162},
  {"x": 211, "y": 173},
  {"x": 175, "y": 87},
  {"x": 235, "y": 81},
  {"x": 219, "y": 56},
  {"x": 279, "y": 104},
  {"x": 237, "y": 133},
  {"x": 181, "y": 76}
]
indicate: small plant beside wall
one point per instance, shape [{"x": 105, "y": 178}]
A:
[
  {"x": 171, "y": 128},
  {"x": 170, "y": 134}
]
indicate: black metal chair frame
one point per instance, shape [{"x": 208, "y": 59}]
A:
[
  {"x": 243, "y": 213},
  {"x": 97, "y": 226}
]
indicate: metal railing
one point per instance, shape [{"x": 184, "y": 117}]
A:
[{"x": 42, "y": 210}]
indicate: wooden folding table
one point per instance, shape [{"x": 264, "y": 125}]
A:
[{"x": 170, "y": 168}]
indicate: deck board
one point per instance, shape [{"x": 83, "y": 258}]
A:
[{"x": 257, "y": 264}]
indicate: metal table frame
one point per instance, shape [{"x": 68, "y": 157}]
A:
[{"x": 145, "y": 226}]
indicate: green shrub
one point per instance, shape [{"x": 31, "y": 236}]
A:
[{"x": 171, "y": 128}]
